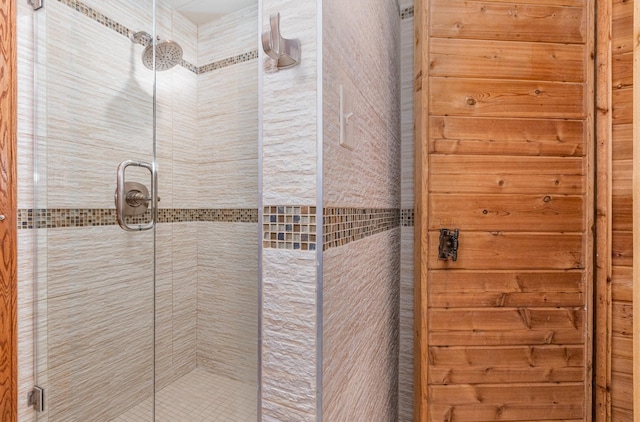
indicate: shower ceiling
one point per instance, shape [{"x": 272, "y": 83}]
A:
[{"x": 200, "y": 11}]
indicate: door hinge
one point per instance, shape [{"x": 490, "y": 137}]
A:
[
  {"x": 36, "y": 4},
  {"x": 35, "y": 398},
  {"x": 448, "y": 247}
]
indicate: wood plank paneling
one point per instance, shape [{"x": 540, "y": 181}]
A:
[
  {"x": 467, "y": 135},
  {"x": 507, "y": 402},
  {"x": 503, "y": 98},
  {"x": 507, "y": 21},
  {"x": 622, "y": 393},
  {"x": 421, "y": 177},
  {"x": 546, "y": 184},
  {"x": 622, "y": 106},
  {"x": 559, "y": 412},
  {"x": 509, "y": 131},
  {"x": 499, "y": 365},
  {"x": 622, "y": 141},
  {"x": 525, "y": 336},
  {"x": 622, "y": 317},
  {"x": 8, "y": 234},
  {"x": 492, "y": 165},
  {"x": 510, "y": 213},
  {"x": 622, "y": 71},
  {"x": 552, "y": 131},
  {"x": 516, "y": 251},
  {"x": 635, "y": 310},
  {"x": 621, "y": 213},
  {"x": 622, "y": 249},
  {"x": 505, "y": 281},
  {"x": 506, "y": 60},
  {"x": 622, "y": 284},
  {"x": 505, "y": 319}
]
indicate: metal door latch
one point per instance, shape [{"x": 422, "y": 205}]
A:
[
  {"x": 35, "y": 398},
  {"x": 448, "y": 247}
]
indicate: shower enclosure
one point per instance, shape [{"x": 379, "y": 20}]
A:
[{"x": 146, "y": 306}]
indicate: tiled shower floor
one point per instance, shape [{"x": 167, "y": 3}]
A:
[{"x": 199, "y": 396}]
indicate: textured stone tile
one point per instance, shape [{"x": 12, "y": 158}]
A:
[
  {"x": 405, "y": 411},
  {"x": 289, "y": 335},
  {"x": 185, "y": 33},
  {"x": 368, "y": 176},
  {"x": 100, "y": 341},
  {"x": 102, "y": 257},
  {"x": 290, "y": 132},
  {"x": 360, "y": 329},
  {"x": 26, "y": 329},
  {"x": 405, "y": 387},
  {"x": 227, "y": 305},
  {"x": 227, "y": 36},
  {"x": 406, "y": 95}
]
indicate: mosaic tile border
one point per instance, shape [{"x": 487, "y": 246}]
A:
[
  {"x": 407, "y": 217},
  {"x": 230, "y": 61},
  {"x": 123, "y": 30},
  {"x": 345, "y": 225},
  {"x": 91, "y": 217},
  {"x": 407, "y": 13},
  {"x": 289, "y": 227}
]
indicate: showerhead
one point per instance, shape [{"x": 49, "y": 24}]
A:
[{"x": 168, "y": 53}]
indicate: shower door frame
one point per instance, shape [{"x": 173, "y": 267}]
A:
[{"x": 8, "y": 229}]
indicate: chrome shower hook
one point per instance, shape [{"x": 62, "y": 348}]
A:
[{"x": 286, "y": 52}]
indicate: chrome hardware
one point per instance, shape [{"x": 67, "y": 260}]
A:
[
  {"x": 35, "y": 398},
  {"x": 2, "y": 217},
  {"x": 136, "y": 198},
  {"x": 133, "y": 198},
  {"x": 141, "y": 37},
  {"x": 286, "y": 52},
  {"x": 36, "y": 4},
  {"x": 448, "y": 247}
]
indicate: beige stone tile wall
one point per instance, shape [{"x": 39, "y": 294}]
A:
[
  {"x": 361, "y": 278},
  {"x": 405, "y": 409},
  {"x": 289, "y": 178},
  {"x": 360, "y": 338}
]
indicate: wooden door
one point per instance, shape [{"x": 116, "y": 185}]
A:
[{"x": 504, "y": 94}]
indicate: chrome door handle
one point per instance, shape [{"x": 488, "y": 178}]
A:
[{"x": 121, "y": 195}]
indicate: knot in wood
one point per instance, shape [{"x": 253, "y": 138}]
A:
[{"x": 471, "y": 101}]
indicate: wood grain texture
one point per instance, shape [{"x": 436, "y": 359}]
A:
[
  {"x": 421, "y": 160},
  {"x": 544, "y": 184},
  {"x": 8, "y": 235},
  {"x": 497, "y": 165},
  {"x": 517, "y": 212},
  {"x": 509, "y": 131},
  {"x": 604, "y": 141},
  {"x": 507, "y": 21},
  {"x": 498, "y": 365},
  {"x": 503, "y": 98},
  {"x": 491, "y": 136},
  {"x": 620, "y": 384},
  {"x": 506, "y": 60}
]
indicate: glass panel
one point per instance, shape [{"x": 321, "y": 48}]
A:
[
  {"x": 95, "y": 300},
  {"x": 160, "y": 324},
  {"x": 207, "y": 285}
]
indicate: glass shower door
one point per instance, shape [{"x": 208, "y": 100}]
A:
[
  {"x": 95, "y": 108},
  {"x": 151, "y": 316}
]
